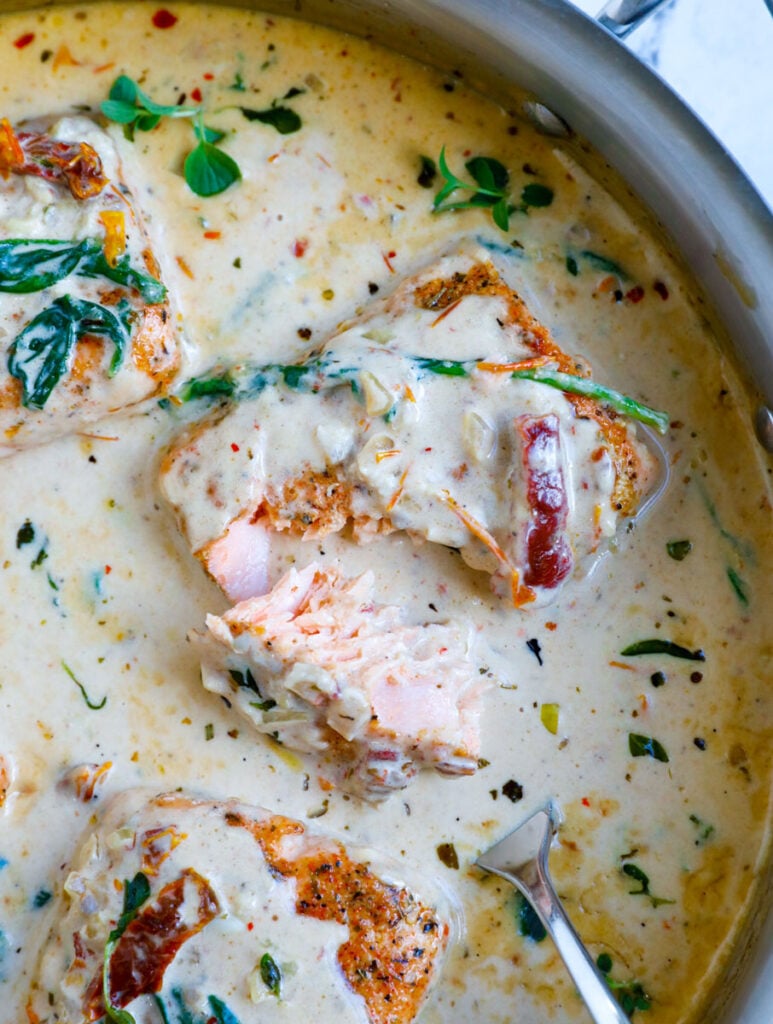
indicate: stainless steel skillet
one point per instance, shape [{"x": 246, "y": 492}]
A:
[{"x": 588, "y": 81}]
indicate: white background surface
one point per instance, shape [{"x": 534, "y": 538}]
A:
[{"x": 718, "y": 56}]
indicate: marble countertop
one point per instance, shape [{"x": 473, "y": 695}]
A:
[{"x": 718, "y": 56}]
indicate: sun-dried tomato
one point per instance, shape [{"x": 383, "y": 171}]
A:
[
  {"x": 152, "y": 940},
  {"x": 76, "y": 164},
  {"x": 549, "y": 555}
]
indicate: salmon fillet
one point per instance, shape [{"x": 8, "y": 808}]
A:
[
  {"x": 323, "y": 669},
  {"x": 409, "y": 418},
  {"x": 85, "y": 323},
  {"x": 186, "y": 909}
]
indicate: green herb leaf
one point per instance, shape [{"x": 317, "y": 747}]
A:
[
  {"x": 738, "y": 585},
  {"x": 42, "y": 896},
  {"x": 25, "y": 534},
  {"x": 638, "y": 875},
  {"x": 574, "y": 385},
  {"x": 704, "y": 831},
  {"x": 94, "y": 264},
  {"x": 126, "y": 95},
  {"x": 209, "y": 171},
  {"x": 443, "y": 367},
  {"x": 135, "y": 893},
  {"x": 571, "y": 266},
  {"x": 271, "y": 975},
  {"x": 205, "y": 134},
  {"x": 658, "y": 646},
  {"x": 646, "y": 746},
  {"x": 428, "y": 172},
  {"x": 39, "y": 356},
  {"x": 41, "y": 556},
  {"x": 500, "y": 213},
  {"x": 119, "y": 111},
  {"x": 629, "y": 994},
  {"x": 30, "y": 265},
  {"x": 492, "y": 176},
  {"x": 529, "y": 924},
  {"x": 536, "y": 195},
  {"x": 123, "y": 90},
  {"x": 679, "y": 549},
  {"x": 284, "y": 119},
  {"x": 490, "y": 189},
  {"x": 604, "y": 263},
  {"x": 246, "y": 680},
  {"x": 206, "y": 387},
  {"x": 238, "y": 83},
  {"x": 604, "y": 963},
  {"x": 221, "y": 1012},
  {"x": 81, "y": 687}
]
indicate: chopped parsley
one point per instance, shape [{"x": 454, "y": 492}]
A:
[
  {"x": 271, "y": 974},
  {"x": 658, "y": 646},
  {"x": 639, "y": 876},
  {"x": 679, "y": 549},
  {"x": 630, "y": 994},
  {"x": 646, "y": 746},
  {"x": 81, "y": 687}
]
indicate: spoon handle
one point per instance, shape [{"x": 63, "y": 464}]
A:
[
  {"x": 622, "y": 16},
  {"x": 601, "y": 1004}
]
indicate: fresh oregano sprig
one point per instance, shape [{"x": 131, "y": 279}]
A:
[
  {"x": 128, "y": 105},
  {"x": 490, "y": 190},
  {"x": 208, "y": 170}
]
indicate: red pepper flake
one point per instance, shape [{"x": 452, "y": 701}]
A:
[
  {"x": 635, "y": 294},
  {"x": 250, "y": 926},
  {"x": 24, "y": 40},
  {"x": 661, "y": 289},
  {"x": 386, "y": 257},
  {"x": 212, "y": 234},
  {"x": 552, "y": 626},
  {"x": 208, "y": 76},
  {"x": 196, "y": 95},
  {"x": 234, "y": 446},
  {"x": 164, "y": 18},
  {"x": 300, "y": 245},
  {"x": 108, "y": 570},
  {"x": 585, "y": 802}
]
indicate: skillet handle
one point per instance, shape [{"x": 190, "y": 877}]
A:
[{"x": 620, "y": 17}]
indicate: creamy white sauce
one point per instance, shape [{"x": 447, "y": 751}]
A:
[{"x": 346, "y": 186}]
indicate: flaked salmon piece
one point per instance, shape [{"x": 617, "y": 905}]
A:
[
  {"x": 410, "y": 417},
  {"x": 179, "y": 908},
  {"x": 85, "y": 322},
  {"x": 319, "y": 666}
]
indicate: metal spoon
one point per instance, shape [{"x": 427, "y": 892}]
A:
[{"x": 522, "y": 858}]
